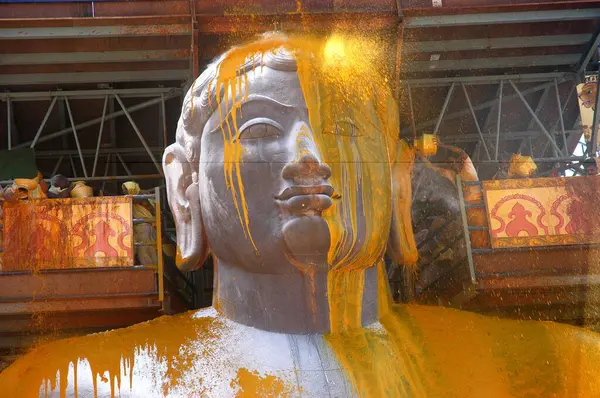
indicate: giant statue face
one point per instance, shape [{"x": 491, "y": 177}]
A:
[{"x": 283, "y": 158}]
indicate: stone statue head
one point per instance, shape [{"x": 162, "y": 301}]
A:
[{"x": 282, "y": 160}]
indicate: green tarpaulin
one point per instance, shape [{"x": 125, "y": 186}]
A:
[{"x": 17, "y": 163}]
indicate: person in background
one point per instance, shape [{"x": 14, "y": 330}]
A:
[
  {"x": 43, "y": 185},
  {"x": 590, "y": 166},
  {"x": 60, "y": 187},
  {"x": 144, "y": 232}
]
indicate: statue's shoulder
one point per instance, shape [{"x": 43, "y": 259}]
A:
[{"x": 199, "y": 353}]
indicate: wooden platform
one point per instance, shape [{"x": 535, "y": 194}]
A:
[
  {"x": 558, "y": 284},
  {"x": 60, "y": 303}
]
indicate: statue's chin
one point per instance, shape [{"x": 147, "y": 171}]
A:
[{"x": 307, "y": 239}]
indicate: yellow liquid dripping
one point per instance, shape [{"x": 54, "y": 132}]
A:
[{"x": 418, "y": 351}]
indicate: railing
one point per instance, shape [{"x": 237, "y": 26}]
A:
[
  {"x": 166, "y": 271},
  {"x": 171, "y": 283}
]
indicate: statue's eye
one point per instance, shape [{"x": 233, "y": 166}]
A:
[
  {"x": 345, "y": 128},
  {"x": 259, "y": 128}
]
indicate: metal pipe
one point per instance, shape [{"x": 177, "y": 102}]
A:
[
  {"x": 106, "y": 178},
  {"x": 160, "y": 270},
  {"x": 465, "y": 223},
  {"x": 58, "y": 163},
  {"x": 560, "y": 119},
  {"x": 123, "y": 164},
  {"x": 412, "y": 112},
  {"x": 537, "y": 120},
  {"x": 547, "y": 160},
  {"x": 73, "y": 169},
  {"x": 100, "y": 136},
  {"x": 498, "y": 120},
  {"x": 89, "y": 94},
  {"x": 507, "y": 135},
  {"x": 139, "y": 134},
  {"x": 85, "y": 174},
  {"x": 487, "y": 79},
  {"x": 591, "y": 48},
  {"x": 476, "y": 122},
  {"x": 484, "y": 105},
  {"x": 43, "y": 124},
  {"x": 573, "y": 87},
  {"x": 93, "y": 122},
  {"x": 163, "y": 110},
  {"x": 9, "y": 122},
  {"x": 444, "y": 107},
  {"x": 92, "y": 152},
  {"x": 106, "y": 170}
]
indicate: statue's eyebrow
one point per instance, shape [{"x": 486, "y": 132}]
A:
[
  {"x": 260, "y": 98},
  {"x": 264, "y": 98},
  {"x": 253, "y": 98}
]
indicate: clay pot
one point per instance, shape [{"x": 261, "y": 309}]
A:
[{"x": 80, "y": 190}]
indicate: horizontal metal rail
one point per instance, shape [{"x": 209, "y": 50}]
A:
[
  {"x": 76, "y": 296},
  {"x": 478, "y": 228},
  {"x": 137, "y": 221},
  {"x": 78, "y": 270}
]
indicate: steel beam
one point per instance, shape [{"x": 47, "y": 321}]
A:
[
  {"x": 491, "y": 112},
  {"x": 73, "y": 168},
  {"x": 493, "y": 79},
  {"x": 537, "y": 120},
  {"x": 443, "y": 111},
  {"x": 412, "y": 112},
  {"x": 43, "y": 124},
  {"x": 85, "y": 174},
  {"x": 487, "y": 152},
  {"x": 539, "y": 106},
  {"x": 90, "y": 153},
  {"x": 74, "y": 32},
  {"x": 93, "y": 77},
  {"x": 484, "y": 105},
  {"x": 591, "y": 49},
  {"x": 492, "y": 63},
  {"x": 139, "y": 134},
  {"x": 88, "y": 94},
  {"x": 106, "y": 178},
  {"x": 163, "y": 121},
  {"x": 498, "y": 119},
  {"x": 93, "y": 122},
  {"x": 436, "y": 21},
  {"x": 560, "y": 118},
  {"x": 92, "y": 57},
  {"x": 496, "y": 43},
  {"x": 123, "y": 164},
  {"x": 99, "y": 136},
  {"x": 506, "y": 136},
  {"x": 9, "y": 124}
]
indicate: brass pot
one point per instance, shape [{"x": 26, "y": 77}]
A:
[{"x": 80, "y": 190}]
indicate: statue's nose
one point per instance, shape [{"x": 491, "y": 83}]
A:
[{"x": 307, "y": 166}]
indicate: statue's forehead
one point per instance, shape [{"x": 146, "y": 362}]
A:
[{"x": 280, "y": 86}]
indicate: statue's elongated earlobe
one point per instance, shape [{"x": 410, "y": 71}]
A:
[
  {"x": 184, "y": 199},
  {"x": 402, "y": 247}
]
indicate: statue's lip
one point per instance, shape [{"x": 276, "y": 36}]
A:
[{"x": 298, "y": 190}]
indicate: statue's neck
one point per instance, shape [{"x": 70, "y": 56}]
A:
[{"x": 293, "y": 303}]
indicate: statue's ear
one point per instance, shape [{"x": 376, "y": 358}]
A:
[
  {"x": 402, "y": 247},
  {"x": 184, "y": 199}
]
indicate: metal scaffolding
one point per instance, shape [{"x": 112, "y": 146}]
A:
[
  {"x": 490, "y": 136},
  {"x": 150, "y": 97}
]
